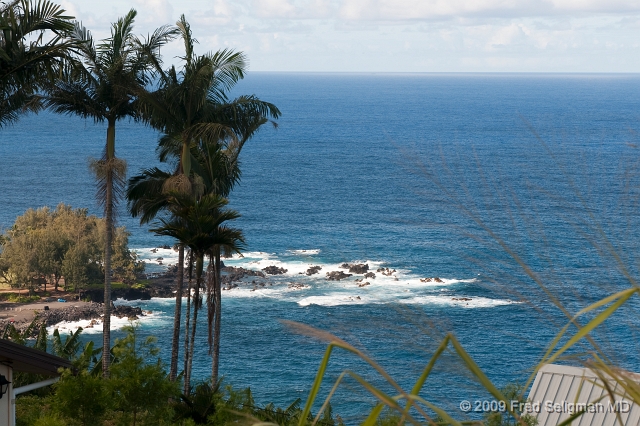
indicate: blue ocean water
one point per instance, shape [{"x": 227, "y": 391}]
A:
[{"x": 463, "y": 177}]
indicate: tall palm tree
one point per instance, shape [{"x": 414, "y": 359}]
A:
[
  {"x": 218, "y": 169},
  {"x": 191, "y": 107},
  {"x": 198, "y": 224},
  {"x": 105, "y": 87},
  {"x": 28, "y": 59}
]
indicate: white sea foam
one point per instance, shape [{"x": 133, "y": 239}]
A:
[
  {"x": 241, "y": 292},
  {"x": 154, "y": 300},
  {"x": 157, "y": 256},
  {"x": 335, "y": 299},
  {"x": 401, "y": 286},
  {"x": 309, "y": 252},
  {"x": 412, "y": 281},
  {"x": 252, "y": 255},
  {"x": 475, "y": 302},
  {"x": 87, "y": 327},
  {"x": 154, "y": 318}
]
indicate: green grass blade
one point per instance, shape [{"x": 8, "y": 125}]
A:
[
  {"x": 373, "y": 415},
  {"x": 595, "y": 322}
]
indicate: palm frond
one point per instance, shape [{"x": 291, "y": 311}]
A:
[{"x": 145, "y": 195}]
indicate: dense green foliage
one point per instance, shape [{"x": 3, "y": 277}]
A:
[
  {"x": 138, "y": 392},
  {"x": 46, "y": 245},
  {"x": 33, "y": 49}
]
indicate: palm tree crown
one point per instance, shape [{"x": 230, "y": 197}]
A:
[
  {"x": 27, "y": 66},
  {"x": 106, "y": 86}
]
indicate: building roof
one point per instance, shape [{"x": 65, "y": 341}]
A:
[
  {"x": 29, "y": 360},
  {"x": 558, "y": 389}
]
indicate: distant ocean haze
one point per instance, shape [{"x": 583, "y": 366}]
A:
[{"x": 400, "y": 171}]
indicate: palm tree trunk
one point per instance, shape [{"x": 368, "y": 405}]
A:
[
  {"x": 175, "y": 344},
  {"x": 106, "y": 320},
  {"x": 108, "y": 206},
  {"x": 210, "y": 300},
  {"x": 196, "y": 303},
  {"x": 215, "y": 356},
  {"x": 187, "y": 383}
]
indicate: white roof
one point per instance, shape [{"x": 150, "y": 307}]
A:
[{"x": 559, "y": 391}]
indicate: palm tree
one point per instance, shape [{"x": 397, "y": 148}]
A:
[
  {"x": 198, "y": 224},
  {"x": 105, "y": 87},
  {"x": 26, "y": 66},
  {"x": 192, "y": 105},
  {"x": 191, "y": 108},
  {"x": 218, "y": 169}
]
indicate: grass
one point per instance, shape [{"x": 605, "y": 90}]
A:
[{"x": 18, "y": 298}]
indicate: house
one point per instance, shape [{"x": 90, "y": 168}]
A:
[
  {"x": 14, "y": 358},
  {"x": 560, "y": 391}
]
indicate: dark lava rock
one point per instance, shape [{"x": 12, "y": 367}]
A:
[
  {"x": 72, "y": 313},
  {"x": 337, "y": 275},
  {"x": 359, "y": 268},
  {"x": 236, "y": 274},
  {"x": 370, "y": 275},
  {"x": 314, "y": 270},
  {"x": 364, "y": 284},
  {"x": 356, "y": 268},
  {"x": 274, "y": 270},
  {"x": 386, "y": 271},
  {"x": 127, "y": 311}
]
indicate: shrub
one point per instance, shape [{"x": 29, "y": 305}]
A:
[
  {"x": 140, "y": 391},
  {"x": 81, "y": 397}
]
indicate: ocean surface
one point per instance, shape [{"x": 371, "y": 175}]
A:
[{"x": 472, "y": 178}]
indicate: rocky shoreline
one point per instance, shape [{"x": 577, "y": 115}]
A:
[
  {"x": 71, "y": 313},
  {"x": 88, "y": 304}
]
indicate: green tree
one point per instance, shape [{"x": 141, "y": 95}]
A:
[
  {"x": 191, "y": 108},
  {"x": 140, "y": 389},
  {"x": 48, "y": 245},
  {"x": 105, "y": 87},
  {"x": 198, "y": 224},
  {"x": 82, "y": 397},
  {"x": 33, "y": 49}
]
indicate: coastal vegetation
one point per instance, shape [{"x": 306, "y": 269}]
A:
[
  {"x": 122, "y": 77},
  {"x": 63, "y": 247},
  {"x": 138, "y": 391},
  {"x": 34, "y": 48},
  {"x": 103, "y": 84},
  {"x": 203, "y": 132}
]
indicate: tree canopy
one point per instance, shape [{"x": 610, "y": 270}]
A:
[
  {"x": 33, "y": 49},
  {"x": 45, "y": 245}
]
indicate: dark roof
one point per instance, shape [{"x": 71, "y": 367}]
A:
[{"x": 29, "y": 360}]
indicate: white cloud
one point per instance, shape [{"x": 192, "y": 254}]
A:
[
  {"x": 397, "y": 35},
  {"x": 154, "y": 12},
  {"x": 408, "y": 10}
]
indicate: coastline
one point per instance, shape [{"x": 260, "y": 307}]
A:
[
  {"x": 22, "y": 315},
  {"x": 85, "y": 305}
]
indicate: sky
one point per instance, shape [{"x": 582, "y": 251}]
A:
[{"x": 396, "y": 35}]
